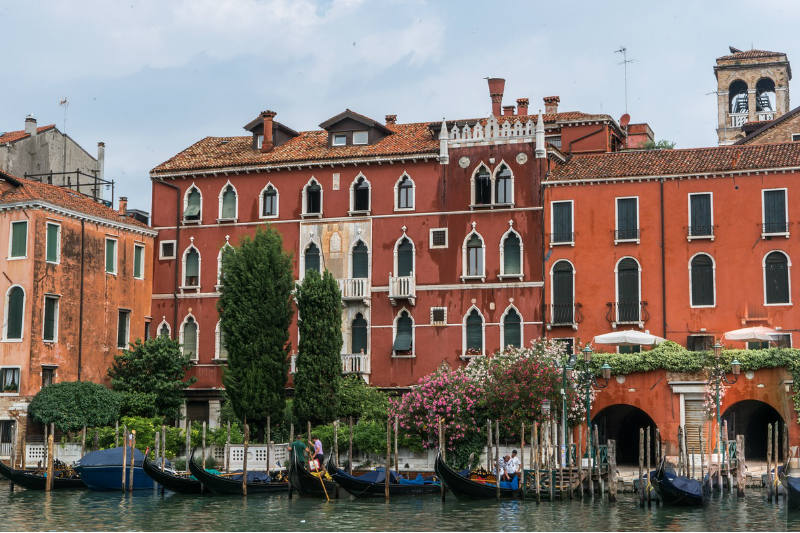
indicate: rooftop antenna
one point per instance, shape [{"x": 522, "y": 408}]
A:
[
  {"x": 65, "y": 102},
  {"x": 624, "y": 51}
]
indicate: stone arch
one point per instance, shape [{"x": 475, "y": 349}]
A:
[
  {"x": 750, "y": 418},
  {"x": 765, "y": 94},
  {"x": 737, "y": 97},
  {"x": 621, "y": 422}
]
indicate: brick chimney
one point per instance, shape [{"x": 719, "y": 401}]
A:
[
  {"x": 268, "y": 143},
  {"x": 391, "y": 119},
  {"x": 30, "y": 125},
  {"x": 496, "y": 88},
  {"x": 123, "y": 205},
  {"x": 101, "y": 159},
  {"x": 508, "y": 110},
  {"x": 551, "y": 104},
  {"x": 522, "y": 106}
]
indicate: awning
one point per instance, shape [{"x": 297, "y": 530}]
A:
[
  {"x": 192, "y": 210},
  {"x": 402, "y": 343},
  {"x": 755, "y": 334},
  {"x": 628, "y": 337}
]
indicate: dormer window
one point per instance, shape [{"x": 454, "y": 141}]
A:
[
  {"x": 339, "y": 139},
  {"x": 360, "y": 137},
  {"x": 352, "y": 129}
]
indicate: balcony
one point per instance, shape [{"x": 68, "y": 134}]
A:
[
  {"x": 620, "y": 313},
  {"x": 765, "y": 115},
  {"x": 700, "y": 232},
  {"x": 775, "y": 229},
  {"x": 565, "y": 315},
  {"x": 402, "y": 288},
  {"x": 358, "y": 363},
  {"x": 737, "y": 119},
  {"x": 626, "y": 235},
  {"x": 355, "y": 289},
  {"x": 562, "y": 238}
]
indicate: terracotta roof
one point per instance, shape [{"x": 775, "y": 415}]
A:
[
  {"x": 750, "y": 54},
  {"x": 14, "y": 136},
  {"x": 676, "y": 162},
  {"x": 25, "y": 190},
  {"x": 765, "y": 126}
]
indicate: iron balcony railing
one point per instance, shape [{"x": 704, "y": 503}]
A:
[
  {"x": 627, "y": 313},
  {"x": 402, "y": 288},
  {"x": 778, "y": 227},
  {"x": 354, "y": 288},
  {"x": 562, "y": 237},
  {"x": 626, "y": 234},
  {"x": 352, "y": 363},
  {"x": 697, "y": 230},
  {"x": 565, "y": 314}
]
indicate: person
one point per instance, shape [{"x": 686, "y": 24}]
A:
[
  {"x": 500, "y": 473},
  {"x": 318, "y": 455},
  {"x": 512, "y": 465}
]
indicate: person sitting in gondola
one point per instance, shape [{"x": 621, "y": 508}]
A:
[
  {"x": 500, "y": 473},
  {"x": 318, "y": 455}
]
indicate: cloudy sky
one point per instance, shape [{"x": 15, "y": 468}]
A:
[{"x": 151, "y": 77}]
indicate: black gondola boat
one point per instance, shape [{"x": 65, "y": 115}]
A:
[
  {"x": 792, "y": 486},
  {"x": 302, "y": 480},
  {"x": 233, "y": 484},
  {"x": 673, "y": 489},
  {"x": 373, "y": 484},
  {"x": 183, "y": 483},
  {"x": 464, "y": 487},
  {"x": 35, "y": 480}
]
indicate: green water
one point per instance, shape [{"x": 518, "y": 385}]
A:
[{"x": 146, "y": 510}]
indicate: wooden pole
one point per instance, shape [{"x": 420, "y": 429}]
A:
[
  {"x": 522, "y": 450},
  {"x": 641, "y": 467},
  {"x": 163, "y": 447},
  {"x": 551, "y": 464},
  {"x": 157, "y": 445},
  {"x": 350, "y": 449},
  {"x": 387, "y": 471},
  {"x": 244, "y": 457},
  {"x": 269, "y": 443},
  {"x": 497, "y": 457},
  {"x": 647, "y": 455},
  {"x": 680, "y": 451},
  {"x": 740, "y": 466},
  {"x": 769, "y": 462},
  {"x": 727, "y": 456},
  {"x": 83, "y": 440},
  {"x": 396, "y": 460},
  {"x": 132, "y": 465},
  {"x": 580, "y": 458},
  {"x": 188, "y": 442},
  {"x": 124, "y": 454},
  {"x": 775, "y": 458},
  {"x": 291, "y": 450},
  {"x": 116, "y": 433},
  {"x": 559, "y": 438},
  {"x": 441, "y": 451},
  {"x": 226, "y": 461},
  {"x": 309, "y": 431},
  {"x": 204, "y": 444},
  {"x": 24, "y": 452},
  {"x": 488, "y": 445},
  {"x": 49, "y": 481},
  {"x": 786, "y": 453},
  {"x": 612, "y": 471},
  {"x": 537, "y": 458},
  {"x": 658, "y": 447},
  {"x": 46, "y": 431}
]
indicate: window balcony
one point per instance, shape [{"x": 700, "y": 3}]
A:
[
  {"x": 700, "y": 232},
  {"x": 562, "y": 238},
  {"x": 765, "y": 115},
  {"x": 355, "y": 289},
  {"x": 626, "y": 313},
  {"x": 626, "y": 235},
  {"x": 775, "y": 229},
  {"x": 402, "y": 288},
  {"x": 565, "y": 315},
  {"x": 357, "y": 363},
  {"x": 737, "y": 119}
]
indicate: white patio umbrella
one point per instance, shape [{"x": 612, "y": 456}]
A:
[
  {"x": 628, "y": 337},
  {"x": 754, "y": 334}
]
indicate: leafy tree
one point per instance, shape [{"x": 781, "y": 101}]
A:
[
  {"x": 663, "y": 144},
  {"x": 319, "y": 364},
  {"x": 70, "y": 405},
  {"x": 362, "y": 402},
  {"x": 151, "y": 378}
]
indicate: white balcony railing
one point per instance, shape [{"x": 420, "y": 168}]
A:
[
  {"x": 5, "y": 449},
  {"x": 402, "y": 288},
  {"x": 737, "y": 119},
  {"x": 355, "y": 363},
  {"x": 354, "y": 288},
  {"x": 765, "y": 115}
]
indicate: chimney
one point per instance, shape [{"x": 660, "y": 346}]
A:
[
  {"x": 496, "y": 88},
  {"x": 268, "y": 142},
  {"x": 101, "y": 159},
  {"x": 123, "y": 205},
  {"x": 508, "y": 110},
  {"x": 551, "y": 104},
  {"x": 30, "y": 125},
  {"x": 541, "y": 151},
  {"x": 391, "y": 119},
  {"x": 522, "y": 106}
]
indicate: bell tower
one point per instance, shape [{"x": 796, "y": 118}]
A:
[{"x": 752, "y": 86}]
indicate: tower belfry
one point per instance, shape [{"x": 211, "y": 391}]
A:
[{"x": 752, "y": 87}]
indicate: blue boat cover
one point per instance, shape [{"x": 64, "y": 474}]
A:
[
  {"x": 378, "y": 476},
  {"x": 683, "y": 484},
  {"x": 512, "y": 485},
  {"x": 419, "y": 480},
  {"x": 110, "y": 457},
  {"x": 252, "y": 477}
]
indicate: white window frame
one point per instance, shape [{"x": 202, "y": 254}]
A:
[
  {"x": 161, "y": 325},
  {"x": 464, "y": 259},
  {"x": 786, "y": 334},
  {"x": 217, "y": 344},
  {"x": 58, "y": 242},
  {"x": 413, "y": 353},
  {"x": 115, "y": 240},
  {"x": 446, "y": 239},
  {"x": 11, "y": 239},
  {"x": 616, "y": 220},
  {"x": 342, "y": 136},
  {"x": 616, "y": 290},
  {"x": 553, "y": 293},
  {"x": 413, "y": 255},
  {"x": 161, "y": 255},
  {"x": 397, "y": 191},
  {"x": 795, "y": 137},
  {"x": 57, "y": 298},
  {"x": 5, "y": 314},
  {"x": 472, "y": 203},
  {"x": 144, "y": 262},
  {"x": 503, "y": 326},
  {"x": 350, "y": 258},
  {"x": 347, "y": 341},
  {"x": 18, "y": 368},
  {"x": 219, "y": 264},
  {"x": 464, "y": 355},
  {"x": 304, "y": 206},
  {"x": 764, "y": 278},
  {"x": 352, "y": 210},
  {"x": 689, "y": 236},
  {"x": 366, "y": 141},
  {"x": 503, "y": 238},
  {"x": 713, "y": 281},
  {"x": 494, "y": 174},
  {"x": 197, "y": 338},
  {"x": 127, "y": 328},
  {"x": 235, "y": 204},
  {"x": 552, "y": 222},
  {"x": 313, "y": 240},
  {"x": 199, "y": 267},
  {"x": 186, "y": 204},
  {"x": 261, "y": 214},
  {"x": 438, "y": 323},
  {"x": 764, "y": 234}
]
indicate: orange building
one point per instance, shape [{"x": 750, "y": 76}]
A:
[{"x": 76, "y": 286}]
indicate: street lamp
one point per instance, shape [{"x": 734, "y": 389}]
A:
[
  {"x": 719, "y": 374},
  {"x": 566, "y": 364},
  {"x": 590, "y": 380}
]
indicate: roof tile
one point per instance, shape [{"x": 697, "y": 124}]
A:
[{"x": 13, "y": 136}]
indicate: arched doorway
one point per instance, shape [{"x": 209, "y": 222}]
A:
[
  {"x": 750, "y": 418},
  {"x": 621, "y": 422}
]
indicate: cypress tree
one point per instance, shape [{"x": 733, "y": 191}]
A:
[{"x": 319, "y": 364}]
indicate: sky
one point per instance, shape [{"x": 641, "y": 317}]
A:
[{"x": 149, "y": 77}]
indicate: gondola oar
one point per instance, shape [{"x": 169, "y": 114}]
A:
[{"x": 319, "y": 475}]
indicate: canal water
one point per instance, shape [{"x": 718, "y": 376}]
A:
[{"x": 146, "y": 510}]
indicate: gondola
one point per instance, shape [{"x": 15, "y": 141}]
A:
[
  {"x": 102, "y": 469},
  {"x": 36, "y": 480},
  {"x": 373, "y": 484},
  {"x": 171, "y": 480},
  {"x": 463, "y": 487},
  {"x": 673, "y": 489},
  {"x": 302, "y": 480},
  {"x": 257, "y": 482},
  {"x": 791, "y": 486}
]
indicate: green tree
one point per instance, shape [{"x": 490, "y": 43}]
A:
[
  {"x": 151, "y": 378},
  {"x": 70, "y": 405},
  {"x": 663, "y": 144},
  {"x": 319, "y": 364},
  {"x": 362, "y": 402}
]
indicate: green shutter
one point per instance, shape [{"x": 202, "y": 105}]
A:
[
  {"x": 405, "y": 258},
  {"x": 562, "y": 293},
  {"x": 777, "y": 278},
  {"x": 562, "y": 222},
  {"x": 700, "y": 214},
  {"x": 190, "y": 338},
  {"x": 627, "y": 223},
  {"x": 138, "y": 263},
  {"x": 628, "y": 290},
  {"x": 111, "y": 256},
  {"x": 702, "y": 280},
  {"x": 229, "y": 203},
  {"x": 192, "y": 264},
  {"x": 52, "y": 243},
  {"x": 359, "y": 335},
  {"x": 474, "y": 332},
  {"x": 511, "y": 255},
  {"x": 19, "y": 239},
  {"x": 402, "y": 341},
  {"x": 16, "y": 305},
  {"x": 122, "y": 329},
  {"x": 192, "y": 205},
  {"x": 312, "y": 257},
  {"x": 360, "y": 261},
  {"x": 774, "y": 211},
  {"x": 512, "y": 332},
  {"x": 50, "y": 310}
]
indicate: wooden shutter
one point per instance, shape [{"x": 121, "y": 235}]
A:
[
  {"x": 111, "y": 255},
  {"x": 360, "y": 261},
  {"x": 774, "y": 211},
  {"x": 402, "y": 340},
  {"x": 19, "y": 239},
  {"x": 512, "y": 333},
  {"x": 229, "y": 203},
  {"x": 474, "y": 331},
  {"x": 563, "y": 298},
  {"x": 562, "y": 222},
  {"x": 627, "y": 224},
  {"x": 138, "y": 263},
  {"x": 122, "y": 329},
  {"x": 511, "y": 255},
  {"x": 16, "y": 304},
  {"x": 628, "y": 290},
  {"x": 52, "y": 243},
  {"x": 702, "y": 280},
  {"x": 50, "y": 307},
  {"x": 358, "y": 334},
  {"x": 700, "y": 214},
  {"x": 695, "y": 417},
  {"x": 189, "y": 337},
  {"x": 405, "y": 258},
  {"x": 776, "y": 273},
  {"x": 192, "y": 205}
]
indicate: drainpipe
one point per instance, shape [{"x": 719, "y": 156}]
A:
[
  {"x": 543, "y": 304},
  {"x": 80, "y": 305},
  {"x": 177, "y": 247},
  {"x": 663, "y": 264}
]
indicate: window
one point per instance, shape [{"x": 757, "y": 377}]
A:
[
  {"x": 563, "y": 281},
  {"x": 405, "y": 258},
  {"x": 503, "y": 186},
  {"x": 191, "y": 209},
  {"x": 512, "y": 329},
  {"x": 358, "y": 334},
  {"x": 774, "y": 212},
  {"x": 15, "y": 312},
  {"x": 403, "y": 338},
  {"x": 123, "y": 328},
  {"x": 191, "y": 268},
  {"x": 474, "y": 256},
  {"x": 138, "y": 261},
  {"x": 360, "y": 137},
  {"x": 512, "y": 254},
  {"x": 795, "y": 137},
  {"x": 9, "y": 377},
  {"x": 701, "y": 278},
  {"x": 482, "y": 187},
  {"x": 111, "y": 256},
  {"x": 405, "y": 193},
  {"x": 269, "y": 202},
  {"x": 146, "y": 330},
  {"x": 782, "y": 340},
  {"x": 227, "y": 206},
  {"x": 313, "y": 198},
  {"x": 473, "y": 338},
  {"x": 339, "y": 139},
  {"x": 629, "y": 349},
  {"x": 53, "y": 248},
  {"x": 757, "y": 345},
  {"x": 189, "y": 337},
  {"x": 312, "y": 258},
  {"x": 221, "y": 349},
  {"x": 439, "y": 316},
  {"x": 776, "y": 278},
  {"x": 627, "y": 219},
  {"x": 19, "y": 240},
  {"x": 48, "y": 375},
  {"x": 360, "y": 194},
  {"x": 163, "y": 330},
  {"x": 561, "y": 229},
  {"x": 438, "y": 238},
  {"x": 699, "y": 343},
  {"x": 700, "y": 217},
  {"x": 628, "y": 290},
  {"x": 360, "y": 260},
  {"x": 225, "y": 248},
  {"x": 50, "y": 326},
  {"x": 166, "y": 250}
]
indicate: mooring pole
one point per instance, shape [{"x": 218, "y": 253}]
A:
[
  {"x": 769, "y": 462},
  {"x": 124, "y": 455},
  {"x": 612, "y": 471},
  {"x": 740, "y": 466},
  {"x": 497, "y": 457},
  {"x": 350, "y": 449},
  {"x": 388, "y": 470},
  {"x": 641, "y": 467},
  {"x": 537, "y": 458}
]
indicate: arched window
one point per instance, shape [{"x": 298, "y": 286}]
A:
[
  {"x": 15, "y": 313},
  {"x": 765, "y": 95},
  {"x": 482, "y": 186},
  {"x": 189, "y": 337},
  {"x": 404, "y": 334},
  {"x": 313, "y": 198},
  {"x": 405, "y": 258},
  {"x": 191, "y": 267},
  {"x": 227, "y": 203},
  {"x": 512, "y": 328},
  {"x": 221, "y": 253},
  {"x": 221, "y": 351},
  {"x": 269, "y": 202},
  {"x": 473, "y": 335},
  {"x": 512, "y": 254},
  {"x": 358, "y": 335},
  {"x": 737, "y": 97},
  {"x": 563, "y": 294},
  {"x": 503, "y": 186},
  {"x": 628, "y": 290},
  {"x": 360, "y": 260},
  {"x": 164, "y": 330},
  {"x": 776, "y": 278},
  {"x": 312, "y": 257},
  {"x": 192, "y": 205},
  {"x": 405, "y": 193},
  {"x": 474, "y": 266},
  {"x": 360, "y": 193},
  {"x": 701, "y": 271}
]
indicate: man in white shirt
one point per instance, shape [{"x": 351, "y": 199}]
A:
[
  {"x": 512, "y": 464},
  {"x": 500, "y": 473}
]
